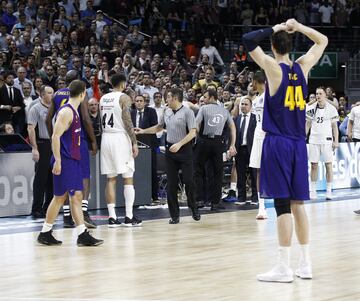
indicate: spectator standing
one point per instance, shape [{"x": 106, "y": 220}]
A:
[
  {"x": 326, "y": 10},
  {"x": 21, "y": 78},
  {"x": 211, "y": 52},
  {"x": 12, "y": 105},
  {"x": 147, "y": 87}
]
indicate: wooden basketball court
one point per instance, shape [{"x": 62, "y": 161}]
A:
[{"x": 216, "y": 259}]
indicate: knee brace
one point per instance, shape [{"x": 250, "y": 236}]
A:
[{"x": 282, "y": 206}]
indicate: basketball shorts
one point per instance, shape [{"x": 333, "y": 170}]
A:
[
  {"x": 85, "y": 159},
  {"x": 116, "y": 155},
  {"x": 70, "y": 179},
  {"x": 316, "y": 150},
  {"x": 284, "y": 168},
  {"x": 256, "y": 151}
]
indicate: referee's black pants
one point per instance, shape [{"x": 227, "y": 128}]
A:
[
  {"x": 43, "y": 180},
  {"x": 209, "y": 150},
  {"x": 242, "y": 160},
  {"x": 182, "y": 160}
]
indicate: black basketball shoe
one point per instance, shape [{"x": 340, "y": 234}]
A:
[
  {"x": 86, "y": 240},
  {"x": 46, "y": 238},
  {"x": 89, "y": 223}
]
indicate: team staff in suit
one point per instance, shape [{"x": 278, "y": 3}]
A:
[
  {"x": 12, "y": 107},
  {"x": 181, "y": 130},
  {"x": 245, "y": 127},
  {"x": 144, "y": 117}
]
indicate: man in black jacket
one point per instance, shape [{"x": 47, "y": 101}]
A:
[
  {"x": 245, "y": 127},
  {"x": 12, "y": 107},
  {"x": 144, "y": 117}
]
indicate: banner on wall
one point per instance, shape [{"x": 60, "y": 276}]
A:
[
  {"x": 346, "y": 168},
  {"x": 16, "y": 178}
]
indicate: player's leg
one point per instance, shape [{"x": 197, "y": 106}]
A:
[
  {"x": 187, "y": 169},
  {"x": 314, "y": 158},
  {"x": 282, "y": 271},
  {"x": 231, "y": 196},
  {"x": 45, "y": 237},
  {"x": 84, "y": 237},
  {"x": 302, "y": 232},
  {"x": 129, "y": 196},
  {"x": 85, "y": 171},
  {"x": 328, "y": 159},
  {"x": 110, "y": 196},
  {"x": 262, "y": 211},
  {"x": 255, "y": 162}
]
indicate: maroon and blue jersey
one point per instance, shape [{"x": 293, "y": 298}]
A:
[
  {"x": 284, "y": 170},
  {"x": 70, "y": 140},
  {"x": 284, "y": 112},
  {"x": 60, "y": 98}
]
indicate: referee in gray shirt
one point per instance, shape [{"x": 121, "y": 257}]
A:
[
  {"x": 41, "y": 152},
  {"x": 179, "y": 122},
  {"x": 211, "y": 120}
]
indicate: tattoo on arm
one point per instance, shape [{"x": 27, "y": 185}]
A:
[{"x": 126, "y": 117}]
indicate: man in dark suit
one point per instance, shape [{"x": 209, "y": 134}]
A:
[
  {"x": 144, "y": 117},
  {"x": 12, "y": 107},
  {"x": 245, "y": 127}
]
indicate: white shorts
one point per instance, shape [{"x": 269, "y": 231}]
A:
[
  {"x": 315, "y": 150},
  {"x": 256, "y": 151},
  {"x": 116, "y": 155}
]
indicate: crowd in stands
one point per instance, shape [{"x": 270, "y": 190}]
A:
[{"x": 40, "y": 41}]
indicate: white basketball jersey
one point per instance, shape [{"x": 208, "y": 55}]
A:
[
  {"x": 258, "y": 110},
  {"x": 110, "y": 112},
  {"x": 321, "y": 123}
]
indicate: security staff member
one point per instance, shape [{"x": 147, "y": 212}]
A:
[
  {"x": 181, "y": 130},
  {"x": 211, "y": 120},
  {"x": 41, "y": 152}
]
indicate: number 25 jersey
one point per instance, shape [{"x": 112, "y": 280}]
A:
[
  {"x": 284, "y": 112},
  {"x": 110, "y": 113}
]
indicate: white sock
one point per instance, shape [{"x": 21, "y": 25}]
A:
[
  {"x": 129, "y": 195},
  {"x": 313, "y": 186},
  {"x": 66, "y": 210},
  {"x": 284, "y": 255},
  {"x": 261, "y": 202},
  {"x": 46, "y": 227},
  {"x": 233, "y": 186},
  {"x": 80, "y": 229},
  {"x": 304, "y": 253},
  {"x": 111, "y": 209},
  {"x": 328, "y": 187},
  {"x": 84, "y": 204}
]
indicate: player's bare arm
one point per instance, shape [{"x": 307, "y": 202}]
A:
[
  {"x": 126, "y": 118},
  {"x": 49, "y": 118},
  {"x": 335, "y": 132},
  {"x": 62, "y": 123},
  {"x": 308, "y": 60},
  {"x": 266, "y": 62}
]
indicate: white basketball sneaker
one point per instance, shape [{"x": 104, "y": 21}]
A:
[
  {"x": 313, "y": 195},
  {"x": 304, "y": 270},
  {"x": 262, "y": 214},
  {"x": 328, "y": 195},
  {"x": 280, "y": 273}
]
